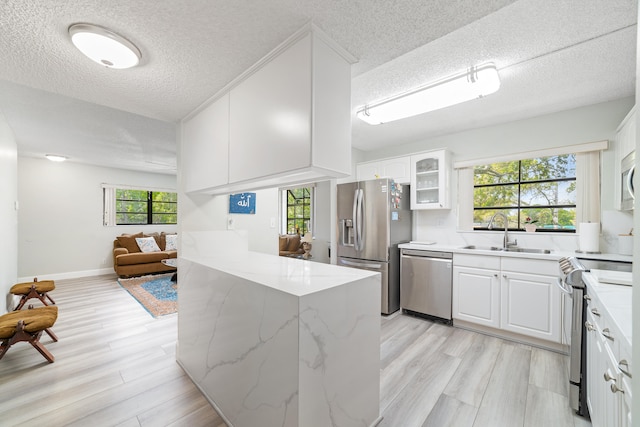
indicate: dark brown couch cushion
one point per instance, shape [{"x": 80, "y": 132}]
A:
[
  {"x": 293, "y": 242},
  {"x": 128, "y": 241}
]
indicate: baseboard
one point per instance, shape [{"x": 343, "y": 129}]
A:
[{"x": 69, "y": 275}]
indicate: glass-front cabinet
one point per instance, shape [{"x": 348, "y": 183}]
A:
[{"x": 430, "y": 180}]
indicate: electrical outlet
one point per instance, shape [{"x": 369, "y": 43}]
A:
[
  {"x": 272, "y": 223},
  {"x": 230, "y": 223}
]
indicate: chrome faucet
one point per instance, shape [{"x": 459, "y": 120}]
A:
[{"x": 505, "y": 243}]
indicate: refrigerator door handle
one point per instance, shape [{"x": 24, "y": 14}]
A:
[
  {"x": 360, "y": 226},
  {"x": 355, "y": 219}
]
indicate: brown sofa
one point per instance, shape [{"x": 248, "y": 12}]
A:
[
  {"x": 290, "y": 245},
  {"x": 128, "y": 260}
]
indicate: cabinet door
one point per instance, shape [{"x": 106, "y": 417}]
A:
[
  {"x": 399, "y": 169},
  {"x": 430, "y": 180},
  {"x": 476, "y": 296},
  {"x": 205, "y": 147},
  {"x": 367, "y": 171},
  {"x": 531, "y": 305},
  {"x": 270, "y": 123}
]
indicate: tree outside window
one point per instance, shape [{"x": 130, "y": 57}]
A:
[
  {"x": 540, "y": 190},
  {"x": 146, "y": 207},
  {"x": 298, "y": 219}
]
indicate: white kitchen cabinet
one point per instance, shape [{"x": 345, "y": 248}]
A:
[
  {"x": 516, "y": 295},
  {"x": 397, "y": 168},
  {"x": 530, "y": 305},
  {"x": 625, "y": 143},
  {"x": 205, "y": 147},
  {"x": 288, "y": 120},
  {"x": 476, "y": 296},
  {"x": 608, "y": 369},
  {"x": 430, "y": 180}
]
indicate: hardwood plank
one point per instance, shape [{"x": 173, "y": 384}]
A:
[
  {"x": 546, "y": 408},
  {"x": 414, "y": 403},
  {"x": 470, "y": 381},
  {"x": 549, "y": 371},
  {"x": 504, "y": 401},
  {"x": 451, "y": 412}
]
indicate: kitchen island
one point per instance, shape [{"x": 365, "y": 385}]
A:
[{"x": 275, "y": 341}]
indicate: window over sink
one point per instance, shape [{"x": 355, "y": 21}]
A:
[{"x": 539, "y": 190}]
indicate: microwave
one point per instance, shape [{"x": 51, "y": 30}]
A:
[{"x": 628, "y": 167}]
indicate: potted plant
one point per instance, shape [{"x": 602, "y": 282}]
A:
[{"x": 530, "y": 225}]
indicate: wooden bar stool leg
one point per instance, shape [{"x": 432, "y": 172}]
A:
[
  {"x": 41, "y": 348},
  {"x": 51, "y": 334}
]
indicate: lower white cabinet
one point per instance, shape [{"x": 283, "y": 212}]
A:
[
  {"x": 508, "y": 294},
  {"x": 608, "y": 387},
  {"x": 476, "y": 296},
  {"x": 530, "y": 305}
]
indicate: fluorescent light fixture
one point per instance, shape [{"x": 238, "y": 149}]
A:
[
  {"x": 56, "y": 158},
  {"x": 475, "y": 82},
  {"x": 104, "y": 46}
]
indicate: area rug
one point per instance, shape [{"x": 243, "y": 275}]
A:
[{"x": 156, "y": 293}]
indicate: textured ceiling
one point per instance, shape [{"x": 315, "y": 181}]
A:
[{"x": 552, "y": 55}]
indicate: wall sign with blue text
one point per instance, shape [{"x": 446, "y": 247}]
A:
[{"x": 243, "y": 203}]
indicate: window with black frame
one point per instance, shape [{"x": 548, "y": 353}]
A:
[
  {"x": 298, "y": 210},
  {"x": 540, "y": 191},
  {"x": 146, "y": 207}
]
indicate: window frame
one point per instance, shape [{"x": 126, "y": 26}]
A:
[
  {"x": 519, "y": 207},
  {"x": 308, "y": 223},
  {"x": 110, "y": 199}
]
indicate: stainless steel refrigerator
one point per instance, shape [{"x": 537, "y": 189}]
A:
[{"x": 373, "y": 218}]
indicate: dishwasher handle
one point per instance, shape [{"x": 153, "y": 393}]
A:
[{"x": 426, "y": 254}]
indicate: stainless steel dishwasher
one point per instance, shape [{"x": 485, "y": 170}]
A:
[{"x": 425, "y": 282}]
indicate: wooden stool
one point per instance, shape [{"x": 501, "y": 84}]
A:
[
  {"x": 27, "y": 325},
  {"x": 33, "y": 289},
  {"x": 38, "y": 290}
]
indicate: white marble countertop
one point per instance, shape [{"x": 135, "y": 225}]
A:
[
  {"x": 616, "y": 300},
  {"x": 294, "y": 276},
  {"x": 553, "y": 256}
]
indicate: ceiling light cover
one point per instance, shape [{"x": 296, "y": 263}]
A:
[
  {"x": 104, "y": 46},
  {"x": 56, "y": 158},
  {"x": 474, "y": 83}
]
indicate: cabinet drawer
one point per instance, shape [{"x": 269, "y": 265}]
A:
[
  {"x": 477, "y": 261},
  {"x": 533, "y": 266}
]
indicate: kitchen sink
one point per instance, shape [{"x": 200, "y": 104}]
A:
[
  {"x": 483, "y": 248},
  {"x": 509, "y": 249},
  {"x": 528, "y": 250}
]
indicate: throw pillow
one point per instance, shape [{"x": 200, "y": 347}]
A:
[
  {"x": 128, "y": 241},
  {"x": 171, "y": 242},
  {"x": 147, "y": 244}
]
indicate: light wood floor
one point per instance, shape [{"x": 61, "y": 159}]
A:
[{"x": 115, "y": 366}]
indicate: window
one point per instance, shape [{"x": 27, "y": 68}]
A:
[
  {"x": 297, "y": 210},
  {"x": 541, "y": 189},
  {"x": 129, "y": 206},
  {"x": 146, "y": 207}
]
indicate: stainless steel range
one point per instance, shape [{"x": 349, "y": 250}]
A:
[{"x": 573, "y": 313}]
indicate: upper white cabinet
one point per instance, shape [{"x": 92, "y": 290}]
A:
[
  {"x": 625, "y": 144},
  {"x": 430, "y": 180},
  {"x": 205, "y": 147},
  {"x": 397, "y": 168},
  {"x": 288, "y": 121}
]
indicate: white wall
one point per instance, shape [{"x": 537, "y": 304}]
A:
[
  {"x": 8, "y": 213},
  {"x": 586, "y": 124},
  {"x": 60, "y": 223}
]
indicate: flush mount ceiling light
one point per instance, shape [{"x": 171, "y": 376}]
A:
[
  {"x": 475, "y": 82},
  {"x": 56, "y": 158},
  {"x": 104, "y": 46}
]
